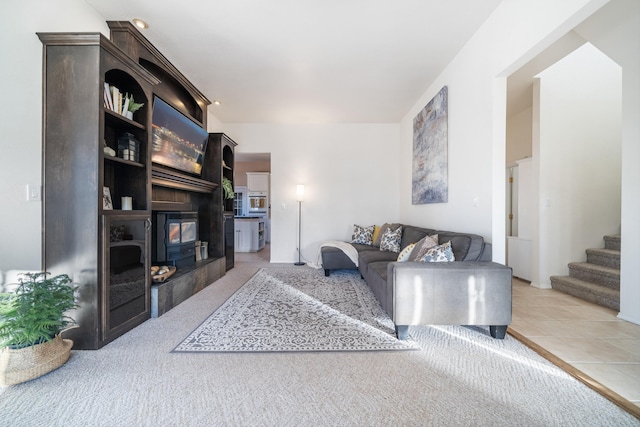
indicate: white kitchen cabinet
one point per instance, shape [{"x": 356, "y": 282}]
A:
[
  {"x": 258, "y": 181},
  {"x": 250, "y": 234}
]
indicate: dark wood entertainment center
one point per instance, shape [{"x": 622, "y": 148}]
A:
[{"x": 107, "y": 250}]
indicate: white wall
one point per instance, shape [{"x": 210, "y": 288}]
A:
[
  {"x": 21, "y": 113},
  {"x": 515, "y": 33},
  {"x": 519, "y": 136},
  {"x": 616, "y": 31},
  {"x": 579, "y": 158},
  {"x": 350, "y": 173}
]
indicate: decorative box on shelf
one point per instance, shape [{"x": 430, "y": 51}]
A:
[{"x": 129, "y": 147}]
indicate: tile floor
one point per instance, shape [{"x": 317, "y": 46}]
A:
[{"x": 588, "y": 337}]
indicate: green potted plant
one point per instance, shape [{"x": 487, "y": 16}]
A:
[
  {"x": 31, "y": 320},
  {"x": 227, "y": 186},
  {"x": 132, "y": 107}
]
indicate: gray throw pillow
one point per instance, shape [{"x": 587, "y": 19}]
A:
[{"x": 423, "y": 246}]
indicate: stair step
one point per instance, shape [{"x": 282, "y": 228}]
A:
[
  {"x": 612, "y": 242},
  {"x": 604, "y": 257},
  {"x": 600, "y": 295},
  {"x": 596, "y": 274}
]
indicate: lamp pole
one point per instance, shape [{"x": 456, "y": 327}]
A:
[{"x": 300, "y": 198}]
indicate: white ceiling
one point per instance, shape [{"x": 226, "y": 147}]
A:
[{"x": 307, "y": 61}]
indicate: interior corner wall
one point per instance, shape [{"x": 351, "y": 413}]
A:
[
  {"x": 513, "y": 34},
  {"x": 350, "y": 175},
  {"x": 213, "y": 123},
  {"x": 616, "y": 31},
  {"x": 519, "y": 136},
  {"x": 580, "y": 158},
  {"x": 21, "y": 124},
  {"x": 630, "y": 245}
]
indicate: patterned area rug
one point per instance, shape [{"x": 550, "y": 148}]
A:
[{"x": 298, "y": 309}]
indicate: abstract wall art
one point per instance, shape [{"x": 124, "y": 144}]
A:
[{"x": 430, "y": 152}]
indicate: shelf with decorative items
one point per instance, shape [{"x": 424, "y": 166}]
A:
[
  {"x": 125, "y": 150},
  {"x": 120, "y": 103},
  {"x": 221, "y": 156}
]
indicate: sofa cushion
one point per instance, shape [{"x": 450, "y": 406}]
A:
[
  {"x": 406, "y": 252},
  {"x": 335, "y": 259},
  {"x": 439, "y": 253},
  {"x": 391, "y": 240},
  {"x": 368, "y": 257},
  {"x": 411, "y": 234},
  {"x": 376, "y": 235},
  {"x": 466, "y": 247},
  {"x": 365, "y": 248},
  {"x": 422, "y": 246},
  {"x": 384, "y": 227},
  {"x": 362, "y": 235},
  {"x": 377, "y": 281}
]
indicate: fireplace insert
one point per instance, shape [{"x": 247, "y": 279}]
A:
[{"x": 175, "y": 235}]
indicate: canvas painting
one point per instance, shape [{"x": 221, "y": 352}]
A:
[{"x": 430, "y": 157}]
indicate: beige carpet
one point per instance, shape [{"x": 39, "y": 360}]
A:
[{"x": 460, "y": 377}]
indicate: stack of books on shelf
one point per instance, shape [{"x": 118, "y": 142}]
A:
[{"x": 117, "y": 101}]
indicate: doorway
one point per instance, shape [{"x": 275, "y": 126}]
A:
[
  {"x": 254, "y": 164},
  {"x": 572, "y": 152}
]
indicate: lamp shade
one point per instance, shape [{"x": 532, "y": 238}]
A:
[{"x": 300, "y": 192}]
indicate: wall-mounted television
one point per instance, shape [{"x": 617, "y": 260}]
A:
[{"x": 178, "y": 142}]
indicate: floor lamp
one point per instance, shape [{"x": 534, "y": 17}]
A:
[{"x": 299, "y": 198}]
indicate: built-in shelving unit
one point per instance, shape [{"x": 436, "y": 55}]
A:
[
  {"x": 107, "y": 247},
  {"x": 173, "y": 190},
  {"x": 222, "y": 148},
  {"x": 103, "y": 247}
]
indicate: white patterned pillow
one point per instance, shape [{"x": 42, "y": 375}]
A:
[
  {"x": 390, "y": 241},
  {"x": 404, "y": 255},
  {"x": 383, "y": 228},
  {"x": 439, "y": 253},
  {"x": 362, "y": 235}
]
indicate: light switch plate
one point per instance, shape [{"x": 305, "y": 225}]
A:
[{"x": 33, "y": 193}]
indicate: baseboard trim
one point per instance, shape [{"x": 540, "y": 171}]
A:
[{"x": 614, "y": 397}]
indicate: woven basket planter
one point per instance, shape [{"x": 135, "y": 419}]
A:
[{"x": 24, "y": 364}]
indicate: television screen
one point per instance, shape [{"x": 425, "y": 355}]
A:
[{"x": 178, "y": 142}]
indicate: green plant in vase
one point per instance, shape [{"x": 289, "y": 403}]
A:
[
  {"x": 36, "y": 311},
  {"x": 227, "y": 186},
  {"x": 31, "y": 321},
  {"x": 133, "y": 106}
]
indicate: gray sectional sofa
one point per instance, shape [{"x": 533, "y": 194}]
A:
[{"x": 471, "y": 290}]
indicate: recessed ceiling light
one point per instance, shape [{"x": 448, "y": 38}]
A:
[
  {"x": 140, "y": 24},
  {"x": 216, "y": 102}
]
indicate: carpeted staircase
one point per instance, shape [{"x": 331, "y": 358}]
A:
[{"x": 598, "y": 279}]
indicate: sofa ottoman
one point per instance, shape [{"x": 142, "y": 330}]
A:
[{"x": 335, "y": 259}]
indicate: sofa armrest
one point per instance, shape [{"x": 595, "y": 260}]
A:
[{"x": 450, "y": 293}]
